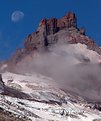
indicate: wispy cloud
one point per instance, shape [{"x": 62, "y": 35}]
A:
[{"x": 62, "y": 65}]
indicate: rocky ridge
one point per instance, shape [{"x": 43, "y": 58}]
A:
[{"x": 52, "y": 31}]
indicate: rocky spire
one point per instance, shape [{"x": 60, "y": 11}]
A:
[
  {"x": 68, "y": 21},
  {"x": 51, "y": 31},
  {"x": 53, "y": 25}
]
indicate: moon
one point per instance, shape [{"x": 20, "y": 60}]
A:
[{"x": 17, "y": 16}]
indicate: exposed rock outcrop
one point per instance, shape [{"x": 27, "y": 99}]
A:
[
  {"x": 51, "y": 31},
  {"x": 48, "y": 26},
  {"x": 1, "y": 84},
  {"x": 47, "y": 30},
  {"x": 68, "y": 21},
  {"x": 53, "y": 25}
]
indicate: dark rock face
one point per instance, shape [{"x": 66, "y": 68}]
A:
[
  {"x": 7, "y": 116},
  {"x": 68, "y": 21},
  {"x": 52, "y": 30},
  {"x": 48, "y": 26},
  {"x": 97, "y": 106},
  {"x": 53, "y": 25},
  {"x": 82, "y": 31},
  {"x": 1, "y": 84},
  {"x": 1, "y": 81},
  {"x": 47, "y": 29},
  {"x": 97, "y": 120}
]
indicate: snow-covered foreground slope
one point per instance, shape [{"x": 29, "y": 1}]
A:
[
  {"x": 46, "y": 102},
  {"x": 38, "y": 111}
]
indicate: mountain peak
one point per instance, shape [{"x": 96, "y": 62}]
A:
[
  {"x": 53, "y": 25},
  {"x": 52, "y": 31},
  {"x": 68, "y": 21}
]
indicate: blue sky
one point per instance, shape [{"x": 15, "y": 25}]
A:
[{"x": 13, "y": 34}]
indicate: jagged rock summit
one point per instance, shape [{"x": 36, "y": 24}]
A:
[
  {"x": 53, "y": 25},
  {"x": 52, "y": 31},
  {"x": 48, "y": 28}
]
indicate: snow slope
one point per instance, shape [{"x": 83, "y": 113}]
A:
[
  {"x": 35, "y": 85},
  {"x": 38, "y": 111},
  {"x": 48, "y": 102}
]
